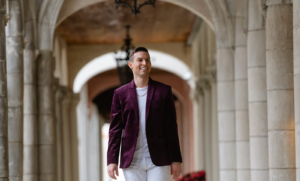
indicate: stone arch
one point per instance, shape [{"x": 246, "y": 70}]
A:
[
  {"x": 79, "y": 56},
  {"x": 107, "y": 62},
  {"x": 197, "y": 7}
]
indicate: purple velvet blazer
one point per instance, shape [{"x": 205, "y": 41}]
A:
[{"x": 161, "y": 126}]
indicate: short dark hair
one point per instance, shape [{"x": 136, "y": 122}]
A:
[{"x": 138, "y": 49}]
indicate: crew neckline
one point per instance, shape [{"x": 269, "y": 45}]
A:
[{"x": 143, "y": 88}]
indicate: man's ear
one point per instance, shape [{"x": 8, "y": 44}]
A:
[{"x": 130, "y": 64}]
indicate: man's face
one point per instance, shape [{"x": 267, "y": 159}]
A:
[{"x": 141, "y": 64}]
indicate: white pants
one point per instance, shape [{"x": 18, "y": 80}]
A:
[{"x": 145, "y": 170}]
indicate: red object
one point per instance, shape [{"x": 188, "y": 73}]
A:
[{"x": 195, "y": 176}]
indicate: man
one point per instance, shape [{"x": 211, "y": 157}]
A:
[{"x": 144, "y": 110}]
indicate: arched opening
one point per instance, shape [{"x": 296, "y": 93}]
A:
[{"x": 175, "y": 60}]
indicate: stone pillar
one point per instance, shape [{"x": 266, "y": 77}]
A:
[
  {"x": 59, "y": 94},
  {"x": 257, "y": 88},
  {"x": 241, "y": 95},
  {"x": 214, "y": 131},
  {"x": 198, "y": 125},
  {"x": 46, "y": 124},
  {"x": 296, "y": 19},
  {"x": 280, "y": 91},
  {"x": 74, "y": 135},
  {"x": 30, "y": 152},
  {"x": 226, "y": 114},
  {"x": 14, "y": 67},
  {"x": 66, "y": 136},
  {"x": 3, "y": 101}
]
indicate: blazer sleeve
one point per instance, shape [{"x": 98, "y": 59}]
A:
[
  {"x": 171, "y": 129},
  {"x": 115, "y": 131}
]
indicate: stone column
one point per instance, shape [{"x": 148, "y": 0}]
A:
[
  {"x": 30, "y": 135},
  {"x": 296, "y": 19},
  {"x": 14, "y": 67},
  {"x": 226, "y": 113},
  {"x": 241, "y": 95},
  {"x": 3, "y": 97},
  {"x": 196, "y": 96},
  {"x": 257, "y": 88},
  {"x": 45, "y": 116},
  {"x": 59, "y": 96},
  {"x": 280, "y": 91},
  {"x": 66, "y": 136},
  {"x": 74, "y": 135}
]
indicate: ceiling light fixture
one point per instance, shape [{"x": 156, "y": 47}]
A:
[{"x": 134, "y": 9}]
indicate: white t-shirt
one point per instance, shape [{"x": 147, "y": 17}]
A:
[{"x": 141, "y": 149}]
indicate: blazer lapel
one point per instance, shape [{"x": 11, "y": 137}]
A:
[
  {"x": 151, "y": 89},
  {"x": 132, "y": 92}
]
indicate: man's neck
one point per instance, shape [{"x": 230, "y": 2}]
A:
[{"x": 141, "y": 82}]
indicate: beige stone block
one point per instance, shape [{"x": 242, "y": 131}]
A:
[
  {"x": 227, "y": 175},
  {"x": 257, "y": 83},
  {"x": 240, "y": 8},
  {"x": 242, "y": 125},
  {"x": 3, "y": 157},
  {"x": 2, "y": 75},
  {"x": 15, "y": 90},
  {"x": 242, "y": 155},
  {"x": 29, "y": 67},
  {"x": 241, "y": 94},
  {"x": 296, "y": 50},
  {"x": 256, "y": 47},
  {"x": 243, "y": 175},
  {"x": 15, "y": 124},
  {"x": 280, "y": 69},
  {"x": 45, "y": 68},
  {"x": 259, "y": 175},
  {"x": 281, "y": 110},
  {"x": 46, "y": 177},
  {"x": 14, "y": 55},
  {"x": 226, "y": 96},
  {"x": 3, "y": 118},
  {"x": 46, "y": 32},
  {"x": 30, "y": 177},
  {"x": 296, "y": 15},
  {"x": 259, "y": 154},
  {"x": 240, "y": 37},
  {"x": 14, "y": 25},
  {"x": 15, "y": 159},
  {"x": 297, "y": 97},
  {"x": 277, "y": 2},
  {"x": 46, "y": 159},
  {"x": 226, "y": 126},
  {"x": 45, "y": 99},
  {"x": 225, "y": 64},
  {"x": 30, "y": 130},
  {"x": 297, "y": 140},
  {"x": 30, "y": 106},
  {"x": 258, "y": 119},
  {"x": 298, "y": 174},
  {"x": 283, "y": 174},
  {"x": 46, "y": 129},
  {"x": 227, "y": 152},
  {"x": 279, "y": 27},
  {"x": 19, "y": 178},
  {"x": 282, "y": 149},
  {"x": 30, "y": 160},
  {"x": 256, "y": 20},
  {"x": 240, "y": 63}
]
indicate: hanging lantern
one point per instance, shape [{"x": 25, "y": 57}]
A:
[
  {"x": 134, "y": 8},
  {"x": 122, "y": 58}
]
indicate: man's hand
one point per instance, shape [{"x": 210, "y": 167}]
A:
[
  {"x": 175, "y": 169},
  {"x": 111, "y": 168}
]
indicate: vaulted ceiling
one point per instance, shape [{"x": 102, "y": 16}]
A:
[{"x": 102, "y": 23}]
